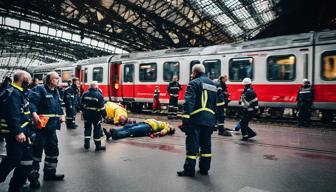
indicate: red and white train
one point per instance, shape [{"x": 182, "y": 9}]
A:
[{"x": 276, "y": 66}]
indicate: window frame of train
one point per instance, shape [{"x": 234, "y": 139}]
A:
[
  {"x": 239, "y": 79},
  {"x": 86, "y": 72},
  {"x": 327, "y": 54},
  {"x": 192, "y": 63},
  {"x": 98, "y": 75},
  {"x": 37, "y": 75},
  {"x": 154, "y": 78},
  {"x": 217, "y": 68},
  {"x": 277, "y": 58},
  {"x": 131, "y": 68},
  {"x": 171, "y": 69},
  {"x": 66, "y": 73}
]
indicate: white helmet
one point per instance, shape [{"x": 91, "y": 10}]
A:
[
  {"x": 247, "y": 81},
  {"x": 306, "y": 81}
]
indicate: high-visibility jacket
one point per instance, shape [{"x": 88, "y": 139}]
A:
[
  {"x": 93, "y": 104},
  {"x": 158, "y": 126},
  {"x": 200, "y": 102},
  {"x": 48, "y": 103},
  {"x": 15, "y": 117},
  {"x": 114, "y": 111}
]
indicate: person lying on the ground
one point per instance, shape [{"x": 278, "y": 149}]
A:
[
  {"x": 116, "y": 113},
  {"x": 149, "y": 127}
]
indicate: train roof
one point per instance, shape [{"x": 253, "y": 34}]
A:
[
  {"x": 280, "y": 42},
  {"x": 95, "y": 60},
  {"x": 51, "y": 66}
]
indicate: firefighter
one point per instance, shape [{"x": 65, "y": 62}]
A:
[
  {"x": 222, "y": 102},
  {"x": 116, "y": 113},
  {"x": 45, "y": 105},
  {"x": 173, "y": 89},
  {"x": 4, "y": 85},
  {"x": 70, "y": 101},
  {"x": 93, "y": 110},
  {"x": 15, "y": 124},
  {"x": 34, "y": 83},
  {"x": 198, "y": 121},
  {"x": 250, "y": 107},
  {"x": 156, "y": 100},
  {"x": 149, "y": 127},
  {"x": 305, "y": 98}
]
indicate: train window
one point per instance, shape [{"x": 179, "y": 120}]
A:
[
  {"x": 66, "y": 75},
  {"x": 239, "y": 68},
  {"x": 192, "y": 63},
  {"x": 281, "y": 67},
  {"x": 171, "y": 69},
  {"x": 212, "y": 68},
  {"x": 97, "y": 74},
  {"x": 147, "y": 72},
  {"x": 85, "y": 75},
  {"x": 328, "y": 66},
  {"x": 129, "y": 73},
  {"x": 38, "y": 76}
]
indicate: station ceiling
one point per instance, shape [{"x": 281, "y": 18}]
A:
[{"x": 137, "y": 25}]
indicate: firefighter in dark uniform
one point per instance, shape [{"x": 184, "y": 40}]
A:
[
  {"x": 4, "y": 85},
  {"x": 198, "y": 121},
  {"x": 70, "y": 100},
  {"x": 250, "y": 107},
  {"x": 222, "y": 102},
  {"x": 173, "y": 89},
  {"x": 93, "y": 110},
  {"x": 15, "y": 124},
  {"x": 305, "y": 98},
  {"x": 45, "y": 102}
]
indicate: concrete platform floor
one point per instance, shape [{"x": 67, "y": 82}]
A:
[{"x": 279, "y": 159}]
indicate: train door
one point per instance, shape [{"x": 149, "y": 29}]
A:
[
  {"x": 325, "y": 77},
  {"x": 128, "y": 82},
  {"x": 114, "y": 86}
]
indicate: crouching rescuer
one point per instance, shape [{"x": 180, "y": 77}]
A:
[{"x": 93, "y": 110}]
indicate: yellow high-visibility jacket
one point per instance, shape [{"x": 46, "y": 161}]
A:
[
  {"x": 158, "y": 126},
  {"x": 114, "y": 111}
]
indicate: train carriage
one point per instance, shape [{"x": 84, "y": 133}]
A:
[{"x": 276, "y": 66}]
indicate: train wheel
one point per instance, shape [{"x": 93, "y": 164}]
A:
[
  {"x": 136, "y": 107},
  {"x": 327, "y": 116},
  {"x": 276, "y": 112}
]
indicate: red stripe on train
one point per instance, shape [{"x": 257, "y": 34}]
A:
[{"x": 265, "y": 92}]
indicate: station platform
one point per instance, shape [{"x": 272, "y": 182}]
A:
[{"x": 279, "y": 159}]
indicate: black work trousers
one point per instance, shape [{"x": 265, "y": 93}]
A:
[
  {"x": 198, "y": 143},
  {"x": 173, "y": 107},
  {"x": 46, "y": 140},
  {"x": 245, "y": 129},
  {"x": 70, "y": 112},
  {"x": 19, "y": 157},
  {"x": 97, "y": 130},
  {"x": 304, "y": 113}
]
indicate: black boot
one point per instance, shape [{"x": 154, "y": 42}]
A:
[
  {"x": 86, "y": 143},
  {"x": 224, "y": 133},
  {"x": 107, "y": 134},
  {"x": 99, "y": 147},
  {"x": 185, "y": 174},
  {"x": 203, "y": 172},
  {"x": 33, "y": 178},
  {"x": 53, "y": 177}
]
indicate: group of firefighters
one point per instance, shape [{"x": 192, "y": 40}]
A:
[{"x": 30, "y": 116}]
